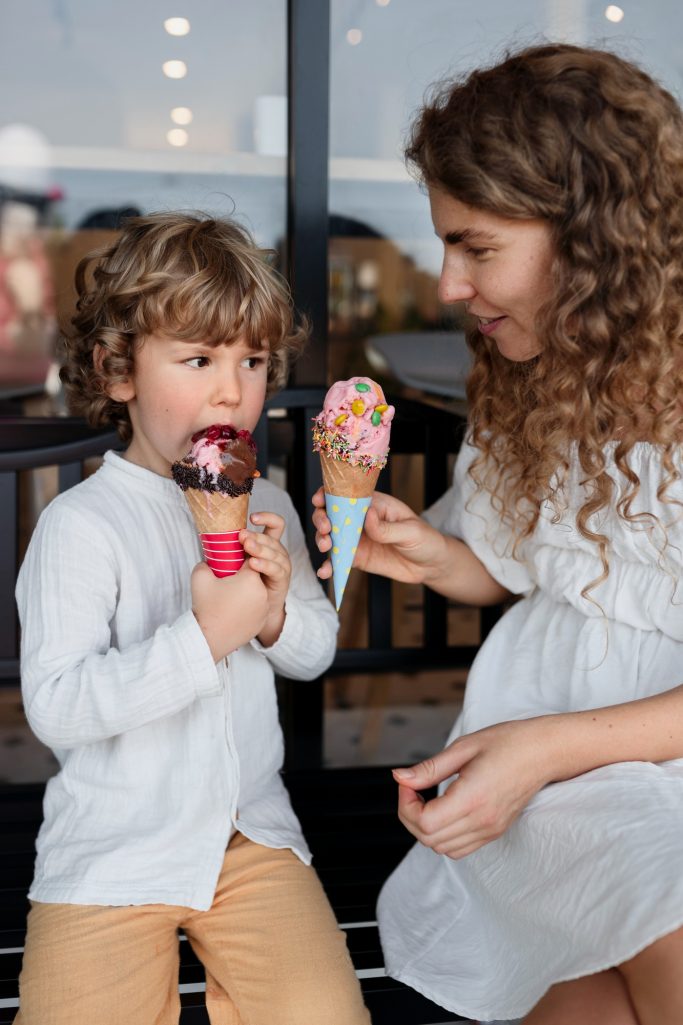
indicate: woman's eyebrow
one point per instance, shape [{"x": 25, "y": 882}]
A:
[{"x": 452, "y": 238}]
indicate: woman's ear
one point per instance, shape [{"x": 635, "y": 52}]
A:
[{"x": 119, "y": 391}]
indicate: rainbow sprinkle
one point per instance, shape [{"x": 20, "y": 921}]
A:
[{"x": 336, "y": 446}]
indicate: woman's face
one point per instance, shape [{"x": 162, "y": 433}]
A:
[{"x": 500, "y": 269}]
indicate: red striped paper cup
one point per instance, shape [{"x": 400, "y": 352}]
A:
[{"x": 223, "y": 552}]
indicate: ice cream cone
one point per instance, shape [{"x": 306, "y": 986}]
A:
[
  {"x": 348, "y": 490},
  {"x": 217, "y": 477},
  {"x": 219, "y": 519},
  {"x": 351, "y": 433}
]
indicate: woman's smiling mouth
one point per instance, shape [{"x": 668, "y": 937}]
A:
[{"x": 487, "y": 325}]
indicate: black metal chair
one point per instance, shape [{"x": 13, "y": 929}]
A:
[{"x": 348, "y": 815}]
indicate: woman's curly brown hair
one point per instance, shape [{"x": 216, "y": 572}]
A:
[
  {"x": 183, "y": 275},
  {"x": 592, "y": 145}
]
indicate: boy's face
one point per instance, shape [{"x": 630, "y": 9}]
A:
[{"x": 180, "y": 387}]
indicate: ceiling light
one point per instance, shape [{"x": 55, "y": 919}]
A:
[
  {"x": 177, "y": 137},
  {"x": 354, "y": 36},
  {"x": 177, "y": 26},
  {"x": 181, "y": 115},
  {"x": 174, "y": 69},
  {"x": 613, "y": 13}
]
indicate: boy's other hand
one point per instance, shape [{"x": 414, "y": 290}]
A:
[
  {"x": 230, "y": 610},
  {"x": 268, "y": 557}
]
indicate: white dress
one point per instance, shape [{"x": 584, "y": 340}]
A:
[{"x": 592, "y": 871}]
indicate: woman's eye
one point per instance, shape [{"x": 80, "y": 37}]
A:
[{"x": 197, "y": 362}]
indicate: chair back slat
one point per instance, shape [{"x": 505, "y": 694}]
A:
[
  {"x": 31, "y": 443},
  {"x": 8, "y": 567}
]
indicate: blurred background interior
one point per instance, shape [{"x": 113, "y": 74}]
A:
[{"x": 112, "y": 109}]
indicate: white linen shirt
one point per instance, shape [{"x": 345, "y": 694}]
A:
[{"x": 162, "y": 753}]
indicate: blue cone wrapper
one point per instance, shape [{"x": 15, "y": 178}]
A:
[{"x": 347, "y": 516}]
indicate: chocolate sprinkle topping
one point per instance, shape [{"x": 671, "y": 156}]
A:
[{"x": 187, "y": 476}]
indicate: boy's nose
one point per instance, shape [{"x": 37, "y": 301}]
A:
[{"x": 227, "y": 391}]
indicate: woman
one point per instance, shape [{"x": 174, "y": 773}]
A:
[{"x": 547, "y": 880}]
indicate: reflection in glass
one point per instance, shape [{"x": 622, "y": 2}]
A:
[{"x": 105, "y": 123}]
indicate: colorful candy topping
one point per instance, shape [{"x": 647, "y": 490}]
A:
[{"x": 354, "y": 424}]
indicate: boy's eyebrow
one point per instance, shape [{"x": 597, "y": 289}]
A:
[{"x": 452, "y": 238}]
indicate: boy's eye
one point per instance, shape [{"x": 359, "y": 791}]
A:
[
  {"x": 197, "y": 362},
  {"x": 252, "y": 362},
  {"x": 477, "y": 253}
]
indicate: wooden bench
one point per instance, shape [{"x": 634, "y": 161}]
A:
[{"x": 350, "y": 821}]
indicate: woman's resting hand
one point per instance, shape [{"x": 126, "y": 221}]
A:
[{"x": 500, "y": 769}]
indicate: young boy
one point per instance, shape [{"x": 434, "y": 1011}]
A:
[{"x": 153, "y": 682}]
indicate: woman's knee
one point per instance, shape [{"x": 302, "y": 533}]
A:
[
  {"x": 600, "y": 999},
  {"x": 659, "y": 959}
]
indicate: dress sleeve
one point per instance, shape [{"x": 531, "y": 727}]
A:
[
  {"x": 307, "y": 644},
  {"x": 78, "y": 687},
  {"x": 466, "y": 513}
]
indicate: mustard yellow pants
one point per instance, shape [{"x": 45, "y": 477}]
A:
[{"x": 270, "y": 945}]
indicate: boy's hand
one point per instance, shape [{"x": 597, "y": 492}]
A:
[
  {"x": 229, "y": 610},
  {"x": 269, "y": 558}
]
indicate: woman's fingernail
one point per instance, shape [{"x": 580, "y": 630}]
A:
[{"x": 404, "y": 773}]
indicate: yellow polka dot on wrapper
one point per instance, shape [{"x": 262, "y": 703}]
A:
[
  {"x": 335, "y": 550},
  {"x": 352, "y": 501},
  {"x": 335, "y": 508},
  {"x": 347, "y": 521},
  {"x": 366, "y": 507},
  {"x": 348, "y": 571},
  {"x": 335, "y": 530},
  {"x": 353, "y": 551},
  {"x": 360, "y": 530}
]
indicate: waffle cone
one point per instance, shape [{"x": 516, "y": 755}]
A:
[
  {"x": 215, "y": 513},
  {"x": 345, "y": 480}
]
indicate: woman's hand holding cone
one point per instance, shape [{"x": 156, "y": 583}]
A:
[{"x": 395, "y": 541}]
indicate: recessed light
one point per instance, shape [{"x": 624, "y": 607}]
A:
[
  {"x": 174, "y": 69},
  {"x": 177, "y": 137},
  {"x": 181, "y": 115},
  {"x": 177, "y": 26}
]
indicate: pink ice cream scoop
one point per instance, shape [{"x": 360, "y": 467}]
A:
[{"x": 358, "y": 413}]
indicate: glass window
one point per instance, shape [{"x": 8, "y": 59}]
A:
[
  {"x": 113, "y": 109},
  {"x": 385, "y": 54}
]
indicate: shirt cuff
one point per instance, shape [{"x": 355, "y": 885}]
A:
[
  {"x": 197, "y": 656},
  {"x": 290, "y": 635}
]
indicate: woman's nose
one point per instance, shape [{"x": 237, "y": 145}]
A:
[{"x": 455, "y": 284}]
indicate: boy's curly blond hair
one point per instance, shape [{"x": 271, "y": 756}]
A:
[
  {"x": 181, "y": 275},
  {"x": 593, "y": 146}
]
